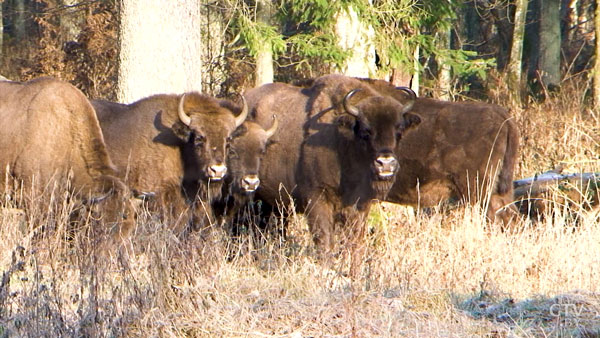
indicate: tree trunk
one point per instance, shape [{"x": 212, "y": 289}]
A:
[
  {"x": 264, "y": 57},
  {"x": 214, "y": 72},
  {"x": 516, "y": 53},
  {"x": 597, "y": 59},
  {"x": 443, "y": 67},
  {"x": 19, "y": 20},
  {"x": 414, "y": 84},
  {"x": 160, "y": 48},
  {"x": 357, "y": 37},
  {"x": 550, "y": 44},
  {"x": 71, "y": 20},
  {"x": 1, "y": 31}
]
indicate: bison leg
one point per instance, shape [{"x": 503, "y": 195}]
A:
[
  {"x": 354, "y": 225},
  {"x": 502, "y": 207},
  {"x": 119, "y": 209},
  {"x": 321, "y": 224}
]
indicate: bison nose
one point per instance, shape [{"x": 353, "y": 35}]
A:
[
  {"x": 216, "y": 172},
  {"x": 250, "y": 183},
  {"x": 386, "y": 166}
]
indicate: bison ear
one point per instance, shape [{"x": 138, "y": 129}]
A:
[
  {"x": 239, "y": 131},
  {"x": 269, "y": 142},
  {"x": 411, "y": 120},
  {"x": 346, "y": 121},
  {"x": 181, "y": 130}
]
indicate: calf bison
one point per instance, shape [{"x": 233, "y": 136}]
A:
[
  {"x": 248, "y": 146},
  {"x": 49, "y": 132},
  {"x": 174, "y": 146},
  {"x": 333, "y": 152},
  {"x": 461, "y": 150}
]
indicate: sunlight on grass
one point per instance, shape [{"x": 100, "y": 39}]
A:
[{"x": 446, "y": 271}]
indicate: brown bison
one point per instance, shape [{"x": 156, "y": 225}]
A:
[
  {"x": 174, "y": 146},
  {"x": 333, "y": 152},
  {"x": 461, "y": 150},
  {"x": 248, "y": 146},
  {"x": 50, "y": 131}
]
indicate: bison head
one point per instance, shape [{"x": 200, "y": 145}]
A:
[
  {"x": 206, "y": 127},
  {"x": 248, "y": 146},
  {"x": 379, "y": 123}
]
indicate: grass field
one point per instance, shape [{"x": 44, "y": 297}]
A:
[{"x": 443, "y": 273}]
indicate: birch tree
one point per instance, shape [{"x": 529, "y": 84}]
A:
[
  {"x": 357, "y": 37},
  {"x": 516, "y": 53},
  {"x": 444, "y": 78},
  {"x": 160, "y": 48},
  {"x": 264, "y": 55}
]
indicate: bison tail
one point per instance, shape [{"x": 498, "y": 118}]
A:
[{"x": 505, "y": 179}]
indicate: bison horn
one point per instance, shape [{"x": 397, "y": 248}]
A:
[
  {"x": 412, "y": 97},
  {"x": 350, "y": 109},
  {"x": 100, "y": 199},
  {"x": 242, "y": 117},
  {"x": 273, "y": 128},
  {"x": 182, "y": 115}
]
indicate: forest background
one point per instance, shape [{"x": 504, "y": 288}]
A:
[
  {"x": 436, "y": 273},
  {"x": 444, "y": 49}
]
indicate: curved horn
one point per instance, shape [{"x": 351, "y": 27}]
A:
[
  {"x": 350, "y": 109},
  {"x": 242, "y": 117},
  {"x": 182, "y": 115},
  {"x": 412, "y": 96},
  {"x": 273, "y": 128},
  {"x": 100, "y": 199}
]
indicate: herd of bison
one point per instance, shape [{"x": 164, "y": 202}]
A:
[{"x": 331, "y": 146}]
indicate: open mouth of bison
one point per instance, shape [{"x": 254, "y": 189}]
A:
[{"x": 385, "y": 175}]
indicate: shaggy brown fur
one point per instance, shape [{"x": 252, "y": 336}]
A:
[
  {"x": 50, "y": 128},
  {"x": 460, "y": 151},
  {"x": 325, "y": 158},
  {"x": 158, "y": 153},
  {"x": 248, "y": 147}
]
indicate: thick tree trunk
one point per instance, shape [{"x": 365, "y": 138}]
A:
[
  {"x": 357, "y": 37},
  {"x": 550, "y": 43},
  {"x": 516, "y": 53},
  {"x": 161, "y": 48},
  {"x": 264, "y": 57}
]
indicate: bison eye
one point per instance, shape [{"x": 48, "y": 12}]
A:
[
  {"x": 365, "y": 133},
  {"x": 362, "y": 131},
  {"x": 199, "y": 140}
]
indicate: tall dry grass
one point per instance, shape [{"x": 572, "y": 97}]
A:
[{"x": 442, "y": 273}]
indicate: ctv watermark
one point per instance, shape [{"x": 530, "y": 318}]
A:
[{"x": 575, "y": 310}]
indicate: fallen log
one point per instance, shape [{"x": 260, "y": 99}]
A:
[{"x": 533, "y": 195}]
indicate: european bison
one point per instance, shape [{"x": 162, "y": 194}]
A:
[
  {"x": 461, "y": 150},
  {"x": 248, "y": 146},
  {"x": 50, "y": 131},
  {"x": 174, "y": 146},
  {"x": 333, "y": 152}
]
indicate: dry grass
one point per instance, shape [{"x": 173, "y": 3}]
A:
[{"x": 446, "y": 273}]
